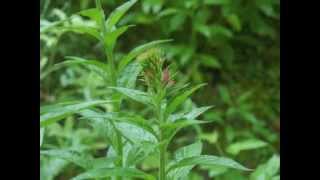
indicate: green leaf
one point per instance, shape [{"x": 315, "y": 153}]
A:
[
  {"x": 207, "y": 160},
  {"x": 135, "y": 134},
  {"x": 73, "y": 156},
  {"x": 193, "y": 114},
  {"x": 111, "y": 37},
  {"x": 128, "y": 118},
  {"x": 249, "y": 144},
  {"x": 210, "y": 61},
  {"x": 171, "y": 129},
  {"x": 136, "y": 95},
  {"x": 128, "y": 76},
  {"x": 93, "y": 13},
  {"x": 173, "y": 105},
  {"x": 83, "y": 30},
  {"x": 268, "y": 170},
  {"x": 182, "y": 153},
  {"x": 139, "y": 152},
  {"x": 65, "y": 111},
  {"x": 104, "y": 162},
  {"x": 216, "y": 2},
  {"x": 138, "y": 50},
  {"x": 111, "y": 172},
  {"x": 104, "y": 128},
  {"x": 41, "y": 135},
  {"x": 100, "y": 68},
  {"x": 234, "y": 21},
  {"x": 116, "y": 14}
]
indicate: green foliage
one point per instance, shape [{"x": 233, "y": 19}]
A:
[{"x": 115, "y": 111}]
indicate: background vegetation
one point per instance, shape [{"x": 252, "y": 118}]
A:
[{"x": 231, "y": 45}]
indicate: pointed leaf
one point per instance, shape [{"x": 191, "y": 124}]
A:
[
  {"x": 83, "y": 30},
  {"x": 136, "y": 95},
  {"x": 100, "y": 68},
  {"x": 249, "y": 144},
  {"x": 128, "y": 118},
  {"x": 208, "y": 160},
  {"x": 268, "y": 170},
  {"x": 182, "y": 153},
  {"x": 65, "y": 111},
  {"x": 73, "y": 156},
  {"x": 116, "y": 14},
  {"x": 111, "y": 37},
  {"x": 112, "y": 172},
  {"x": 171, "y": 129},
  {"x": 138, "y": 50},
  {"x": 93, "y": 13},
  {"x": 135, "y": 134},
  {"x": 181, "y": 99},
  {"x": 193, "y": 114}
]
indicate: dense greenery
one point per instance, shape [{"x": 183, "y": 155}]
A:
[{"x": 94, "y": 62}]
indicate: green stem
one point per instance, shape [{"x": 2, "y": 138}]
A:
[
  {"x": 113, "y": 77},
  {"x": 162, "y": 148},
  {"x": 162, "y": 164}
]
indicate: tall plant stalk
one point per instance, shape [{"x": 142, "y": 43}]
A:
[{"x": 113, "y": 77}]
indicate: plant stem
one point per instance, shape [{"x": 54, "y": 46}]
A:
[
  {"x": 162, "y": 164},
  {"x": 112, "y": 72},
  {"x": 162, "y": 148}
]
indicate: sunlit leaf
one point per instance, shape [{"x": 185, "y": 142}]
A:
[
  {"x": 136, "y": 95},
  {"x": 208, "y": 160},
  {"x": 116, "y": 14},
  {"x": 65, "y": 111},
  {"x": 128, "y": 76},
  {"x": 182, "y": 153},
  {"x": 249, "y": 144},
  {"x": 268, "y": 170},
  {"x": 111, "y": 172}
]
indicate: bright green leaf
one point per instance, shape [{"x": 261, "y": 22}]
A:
[
  {"x": 208, "y": 160},
  {"x": 182, "y": 153},
  {"x": 136, "y": 95},
  {"x": 116, "y": 14},
  {"x": 249, "y": 144},
  {"x": 83, "y": 30},
  {"x": 111, "y": 172},
  {"x": 173, "y": 105},
  {"x": 268, "y": 170},
  {"x": 65, "y": 111},
  {"x": 128, "y": 76},
  {"x": 93, "y": 13}
]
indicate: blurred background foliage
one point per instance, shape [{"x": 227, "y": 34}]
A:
[{"x": 232, "y": 45}]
